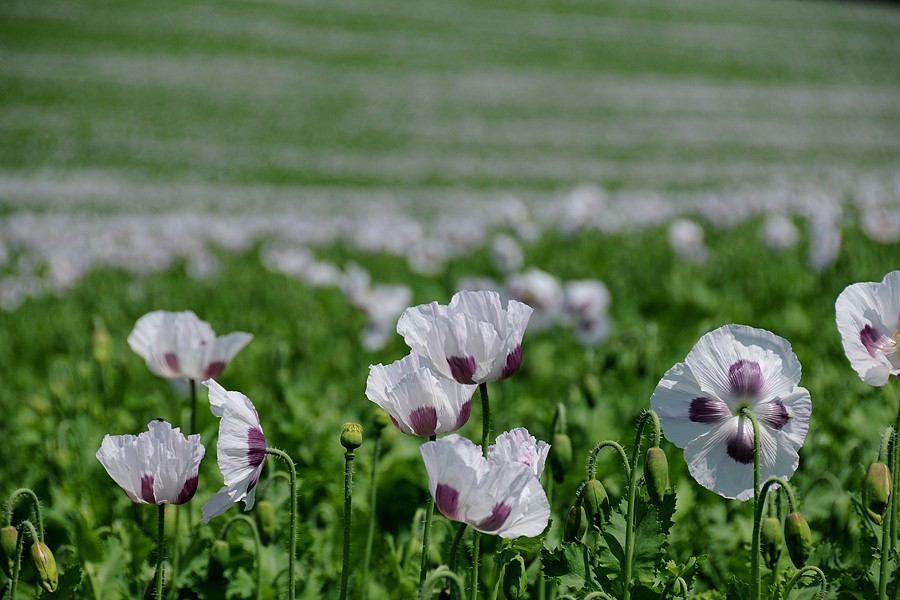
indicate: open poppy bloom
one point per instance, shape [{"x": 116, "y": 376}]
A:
[
  {"x": 156, "y": 467},
  {"x": 241, "y": 450},
  {"x": 180, "y": 345},
  {"x": 504, "y": 499},
  {"x": 474, "y": 339},
  {"x": 420, "y": 401},
  {"x": 868, "y": 317},
  {"x": 519, "y": 446},
  {"x": 699, "y": 403}
]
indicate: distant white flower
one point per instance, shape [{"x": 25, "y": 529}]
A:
[
  {"x": 585, "y": 301},
  {"x": 381, "y": 304},
  {"x": 779, "y": 233},
  {"x": 180, "y": 345},
  {"x": 519, "y": 446},
  {"x": 506, "y": 254},
  {"x": 868, "y": 317},
  {"x": 156, "y": 467},
  {"x": 420, "y": 401},
  {"x": 686, "y": 241},
  {"x": 542, "y": 292},
  {"x": 241, "y": 449},
  {"x": 699, "y": 404},
  {"x": 501, "y": 499},
  {"x": 472, "y": 340}
]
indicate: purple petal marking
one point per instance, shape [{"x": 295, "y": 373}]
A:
[
  {"x": 745, "y": 378},
  {"x": 462, "y": 368},
  {"x": 708, "y": 410},
  {"x": 423, "y": 420},
  {"x": 147, "y": 489},
  {"x": 774, "y": 414},
  {"x": 513, "y": 362},
  {"x": 740, "y": 442},
  {"x": 464, "y": 413},
  {"x": 871, "y": 339},
  {"x": 446, "y": 499},
  {"x": 214, "y": 369},
  {"x": 498, "y": 517},
  {"x": 187, "y": 491},
  {"x": 256, "y": 446},
  {"x": 396, "y": 424},
  {"x": 171, "y": 360}
]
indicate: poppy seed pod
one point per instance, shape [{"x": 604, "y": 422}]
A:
[
  {"x": 45, "y": 565},
  {"x": 515, "y": 583},
  {"x": 596, "y": 503},
  {"x": 797, "y": 538},
  {"x": 656, "y": 474},
  {"x": 265, "y": 520},
  {"x": 771, "y": 538},
  {"x": 351, "y": 436},
  {"x": 9, "y": 538},
  {"x": 876, "y": 492},
  {"x": 576, "y": 524},
  {"x": 560, "y": 456}
]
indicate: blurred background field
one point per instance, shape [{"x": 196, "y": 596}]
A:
[{"x": 238, "y": 158}]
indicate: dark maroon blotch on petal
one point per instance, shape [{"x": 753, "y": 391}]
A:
[
  {"x": 513, "y": 362},
  {"x": 498, "y": 517},
  {"x": 256, "y": 446},
  {"x": 423, "y": 420},
  {"x": 464, "y": 413},
  {"x": 775, "y": 415},
  {"x": 396, "y": 424},
  {"x": 707, "y": 410},
  {"x": 187, "y": 491},
  {"x": 745, "y": 378},
  {"x": 462, "y": 368},
  {"x": 214, "y": 369},
  {"x": 870, "y": 338},
  {"x": 171, "y": 360},
  {"x": 740, "y": 442},
  {"x": 446, "y": 499},
  {"x": 147, "y": 489}
]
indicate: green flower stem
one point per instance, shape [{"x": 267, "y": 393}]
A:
[
  {"x": 884, "y": 450},
  {"x": 541, "y": 583},
  {"x": 160, "y": 547},
  {"x": 808, "y": 570},
  {"x": 755, "y": 583},
  {"x": 475, "y": 558},
  {"x": 485, "y": 418},
  {"x": 193, "y": 386},
  {"x": 292, "y": 587},
  {"x": 370, "y": 536},
  {"x": 454, "y": 546},
  {"x": 236, "y": 520},
  {"x": 442, "y": 572},
  {"x": 24, "y": 527},
  {"x": 792, "y": 499},
  {"x": 595, "y": 451},
  {"x": 885, "y": 550},
  {"x": 11, "y": 505},
  {"x": 426, "y": 535},
  {"x": 348, "y": 505},
  {"x": 895, "y": 469}
]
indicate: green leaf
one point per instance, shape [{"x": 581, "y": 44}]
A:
[{"x": 567, "y": 563}]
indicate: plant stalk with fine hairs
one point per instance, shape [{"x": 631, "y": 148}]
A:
[
  {"x": 292, "y": 469},
  {"x": 248, "y": 522}
]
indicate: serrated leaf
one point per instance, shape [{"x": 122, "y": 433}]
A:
[
  {"x": 70, "y": 584},
  {"x": 737, "y": 590},
  {"x": 567, "y": 563}
]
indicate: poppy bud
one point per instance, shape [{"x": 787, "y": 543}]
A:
[
  {"x": 101, "y": 345},
  {"x": 771, "y": 537},
  {"x": 876, "y": 492},
  {"x": 381, "y": 420},
  {"x": 219, "y": 554},
  {"x": 595, "y": 502},
  {"x": 797, "y": 538},
  {"x": 576, "y": 524},
  {"x": 265, "y": 520},
  {"x": 351, "y": 436},
  {"x": 840, "y": 514},
  {"x": 656, "y": 474},
  {"x": 9, "y": 538},
  {"x": 515, "y": 584},
  {"x": 45, "y": 565},
  {"x": 560, "y": 456}
]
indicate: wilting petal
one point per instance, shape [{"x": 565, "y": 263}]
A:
[{"x": 517, "y": 445}]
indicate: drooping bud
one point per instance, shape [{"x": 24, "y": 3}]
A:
[
  {"x": 797, "y": 538},
  {"x": 771, "y": 538},
  {"x": 840, "y": 514},
  {"x": 876, "y": 492},
  {"x": 576, "y": 524},
  {"x": 351, "y": 436},
  {"x": 515, "y": 583},
  {"x": 596, "y": 503},
  {"x": 265, "y": 520},
  {"x": 45, "y": 565},
  {"x": 656, "y": 474},
  {"x": 9, "y": 538},
  {"x": 219, "y": 555},
  {"x": 560, "y": 456},
  {"x": 590, "y": 387}
]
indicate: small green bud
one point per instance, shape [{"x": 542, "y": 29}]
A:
[
  {"x": 515, "y": 583},
  {"x": 656, "y": 474},
  {"x": 576, "y": 524},
  {"x": 876, "y": 492},
  {"x": 381, "y": 420},
  {"x": 101, "y": 345},
  {"x": 560, "y": 456},
  {"x": 596, "y": 503},
  {"x": 797, "y": 538},
  {"x": 351, "y": 436},
  {"x": 771, "y": 537},
  {"x": 9, "y": 538},
  {"x": 220, "y": 554},
  {"x": 590, "y": 387},
  {"x": 840, "y": 514},
  {"x": 45, "y": 565},
  {"x": 266, "y": 521}
]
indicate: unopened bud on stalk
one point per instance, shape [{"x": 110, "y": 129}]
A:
[
  {"x": 656, "y": 474},
  {"x": 9, "y": 538},
  {"x": 840, "y": 514},
  {"x": 265, "y": 520},
  {"x": 590, "y": 386},
  {"x": 876, "y": 493},
  {"x": 220, "y": 553},
  {"x": 101, "y": 345},
  {"x": 560, "y": 456},
  {"x": 576, "y": 524},
  {"x": 771, "y": 538},
  {"x": 515, "y": 583},
  {"x": 381, "y": 420},
  {"x": 45, "y": 565},
  {"x": 797, "y": 538},
  {"x": 351, "y": 436},
  {"x": 595, "y": 502}
]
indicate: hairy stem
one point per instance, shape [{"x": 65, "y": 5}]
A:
[
  {"x": 755, "y": 582},
  {"x": 348, "y": 506},
  {"x": 292, "y": 587},
  {"x": 236, "y": 520},
  {"x": 160, "y": 548},
  {"x": 370, "y": 536},
  {"x": 426, "y": 535}
]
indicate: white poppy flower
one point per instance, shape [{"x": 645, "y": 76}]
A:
[
  {"x": 420, "y": 401},
  {"x": 180, "y": 345},
  {"x": 519, "y": 446},
  {"x": 585, "y": 301},
  {"x": 156, "y": 467},
  {"x": 472, "y": 340},
  {"x": 542, "y": 292},
  {"x": 501, "y": 499},
  {"x": 241, "y": 449},
  {"x": 699, "y": 404},
  {"x": 868, "y": 317}
]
